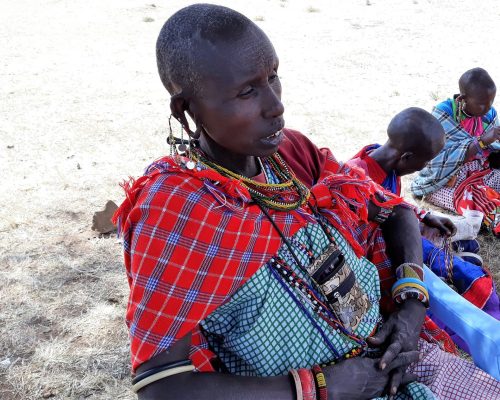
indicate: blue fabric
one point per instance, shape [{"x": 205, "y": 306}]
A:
[
  {"x": 391, "y": 182},
  {"x": 464, "y": 273}
]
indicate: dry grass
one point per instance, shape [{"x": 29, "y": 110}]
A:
[{"x": 82, "y": 108}]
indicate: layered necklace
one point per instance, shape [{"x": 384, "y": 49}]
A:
[{"x": 286, "y": 195}]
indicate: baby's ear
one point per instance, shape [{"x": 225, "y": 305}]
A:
[{"x": 406, "y": 156}]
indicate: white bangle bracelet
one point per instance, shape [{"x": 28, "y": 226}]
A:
[{"x": 160, "y": 375}]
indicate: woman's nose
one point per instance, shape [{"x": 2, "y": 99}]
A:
[{"x": 272, "y": 106}]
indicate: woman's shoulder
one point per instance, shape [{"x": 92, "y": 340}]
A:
[{"x": 169, "y": 178}]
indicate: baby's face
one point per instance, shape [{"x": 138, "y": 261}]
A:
[{"x": 478, "y": 103}]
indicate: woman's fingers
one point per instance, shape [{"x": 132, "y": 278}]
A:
[
  {"x": 400, "y": 378},
  {"x": 381, "y": 336},
  {"x": 404, "y": 359},
  {"x": 390, "y": 354}
]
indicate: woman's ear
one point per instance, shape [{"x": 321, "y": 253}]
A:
[{"x": 178, "y": 107}]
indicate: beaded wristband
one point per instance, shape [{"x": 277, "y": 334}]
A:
[
  {"x": 478, "y": 147},
  {"x": 403, "y": 287},
  {"x": 481, "y": 144},
  {"x": 307, "y": 383},
  {"x": 411, "y": 294},
  {"x": 409, "y": 282},
  {"x": 421, "y": 213},
  {"x": 382, "y": 215},
  {"x": 298, "y": 386},
  {"x": 319, "y": 378}
]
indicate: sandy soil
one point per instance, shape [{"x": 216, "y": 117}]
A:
[{"x": 82, "y": 108}]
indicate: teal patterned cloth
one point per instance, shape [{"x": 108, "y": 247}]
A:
[{"x": 262, "y": 332}]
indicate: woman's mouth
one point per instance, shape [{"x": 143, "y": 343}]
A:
[{"x": 274, "y": 139}]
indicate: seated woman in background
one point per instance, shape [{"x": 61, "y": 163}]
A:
[
  {"x": 246, "y": 277},
  {"x": 464, "y": 174}
]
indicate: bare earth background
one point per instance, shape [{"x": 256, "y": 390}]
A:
[{"x": 81, "y": 108}]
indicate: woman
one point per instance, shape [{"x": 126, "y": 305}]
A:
[
  {"x": 465, "y": 175},
  {"x": 242, "y": 251}
]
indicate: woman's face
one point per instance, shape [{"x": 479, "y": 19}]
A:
[{"x": 239, "y": 102}]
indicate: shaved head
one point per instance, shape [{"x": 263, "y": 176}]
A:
[
  {"x": 417, "y": 131},
  {"x": 476, "y": 81},
  {"x": 194, "y": 36}
]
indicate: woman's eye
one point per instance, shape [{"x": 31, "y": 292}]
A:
[
  {"x": 273, "y": 77},
  {"x": 246, "y": 92}
]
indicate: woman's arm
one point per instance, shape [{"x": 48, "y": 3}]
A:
[
  {"x": 401, "y": 331},
  {"x": 352, "y": 379}
]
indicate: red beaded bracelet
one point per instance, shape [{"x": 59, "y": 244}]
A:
[
  {"x": 307, "y": 383},
  {"x": 319, "y": 377}
]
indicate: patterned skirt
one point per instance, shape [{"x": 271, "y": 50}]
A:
[{"x": 475, "y": 188}]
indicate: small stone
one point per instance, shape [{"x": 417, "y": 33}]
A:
[
  {"x": 148, "y": 19},
  {"x": 101, "y": 221},
  {"x": 10, "y": 146},
  {"x": 48, "y": 393},
  {"x": 4, "y": 364},
  {"x": 78, "y": 166}
]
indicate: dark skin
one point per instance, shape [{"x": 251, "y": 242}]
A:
[
  {"x": 477, "y": 102},
  {"x": 398, "y": 154},
  {"x": 244, "y": 96}
]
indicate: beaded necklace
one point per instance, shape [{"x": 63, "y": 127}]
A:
[{"x": 287, "y": 195}]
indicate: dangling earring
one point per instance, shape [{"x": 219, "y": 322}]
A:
[
  {"x": 190, "y": 164},
  {"x": 182, "y": 146},
  {"x": 171, "y": 138}
]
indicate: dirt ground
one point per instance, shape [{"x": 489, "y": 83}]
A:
[{"x": 82, "y": 107}]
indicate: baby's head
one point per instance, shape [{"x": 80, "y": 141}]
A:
[
  {"x": 221, "y": 69},
  {"x": 417, "y": 137},
  {"x": 477, "y": 92}
]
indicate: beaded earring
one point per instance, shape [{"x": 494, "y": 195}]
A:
[
  {"x": 171, "y": 138},
  {"x": 182, "y": 146}
]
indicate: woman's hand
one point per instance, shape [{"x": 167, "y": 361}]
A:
[
  {"x": 445, "y": 226},
  {"x": 361, "y": 377},
  {"x": 399, "y": 334}
]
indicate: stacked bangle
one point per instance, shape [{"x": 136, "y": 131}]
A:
[
  {"x": 293, "y": 373},
  {"x": 410, "y": 288},
  {"x": 155, "y": 374},
  {"x": 309, "y": 384}
]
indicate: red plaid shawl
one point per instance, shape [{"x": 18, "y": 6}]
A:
[{"x": 192, "y": 238}]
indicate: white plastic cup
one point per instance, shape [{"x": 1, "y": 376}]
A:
[{"x": 474, "y": 218}]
